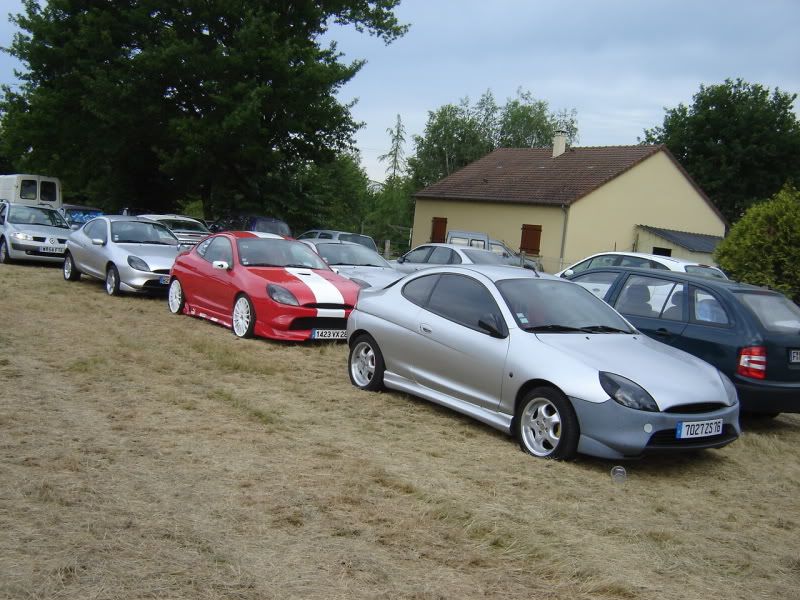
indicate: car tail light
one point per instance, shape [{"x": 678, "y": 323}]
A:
[{"x": 753, "y": 362}]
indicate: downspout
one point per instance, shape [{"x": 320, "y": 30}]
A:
[{"x": 565, "y": 209}]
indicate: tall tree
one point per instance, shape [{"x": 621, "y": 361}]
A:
[
  {"x": 526, "y": 122},
  {"x": 396, "y": 155},
  {"x": 143, "y": 102},
  {"x": 738, "y": 141}
]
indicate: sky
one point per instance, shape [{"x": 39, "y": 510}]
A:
[{"x": 618, "y": 63}]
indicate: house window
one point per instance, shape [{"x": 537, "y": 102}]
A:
[
  {"x": 439, "y": 230},
  {"x": 662, "y": 251},
  {"x": 531, "y": 239}
]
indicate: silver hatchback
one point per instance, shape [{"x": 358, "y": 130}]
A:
[
  {"x": 130, "y": 254},
  {"x": 31, "y": 233},
  {"x": 541, "y": 358}
]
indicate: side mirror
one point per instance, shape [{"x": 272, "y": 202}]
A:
[
  {"x": 568, "y": 273},
  {"x": 335, "y": 270},
  {"x": 493, "y": 325},
  {"x": 98, "y": 242},
  {"x": 75, "y": 226},
  {"x": 401, "y": 260},
  {"x": 221, "y": 265}
]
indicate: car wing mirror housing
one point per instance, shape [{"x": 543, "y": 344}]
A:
[
  {"x": 98, "y": 242},
  {"x": 568, "y": 273},
  {"x": 222, "y": 265}
]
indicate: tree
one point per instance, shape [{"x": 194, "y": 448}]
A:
[
  {"x": 528, "y": 123},
  {"x": 738, "y": 141},
  {"x": 145, "y": 102},
  {"x": 396, "y": 155},
  {"x": 761, "y": 248}
]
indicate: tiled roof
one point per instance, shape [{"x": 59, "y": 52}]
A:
[
  {"x": 533, "y": 176},
  {"x": 695, "y": 242}
]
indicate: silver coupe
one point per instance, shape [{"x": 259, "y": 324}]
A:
[
  {"x": 541, "y": 358},
  {"x": 358, "y": 263},
  {"x": 128, "y": 253}
]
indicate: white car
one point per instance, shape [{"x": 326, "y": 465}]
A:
[
  {"x": 642, "y": 261},
  {"x": 189, "y": 231}
]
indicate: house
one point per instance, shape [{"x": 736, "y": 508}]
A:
[{"x": 562, "y": 204}]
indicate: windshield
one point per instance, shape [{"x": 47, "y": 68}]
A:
[
  {"x": 559, "y": 307},
  {"x": 141, "y": 232},
  {"x": 33, "y": 215},
  {"x": 266, "y": 252},
  {"x": 350, "y": 254},
  {"x": 184, "y": 225},
  {"x": 776, "y": 313},
  {"x": 82, "y": 215},
  {"x": 705, "y": 271}
]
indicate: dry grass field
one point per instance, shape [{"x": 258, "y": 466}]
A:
[{"x": 145, "y": 455}]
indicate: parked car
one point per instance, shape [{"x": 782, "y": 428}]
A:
[
  {"x": 344, "y": 236},
  {"x": 358, "y": 263},
  {"x": 189, "y": 231},
  {"x": 538, "y": 357},
  {"x": 261, "y": 284},
  {"x": 749, "y": 333},
  {"x": 642, "y": 261},
  {"x": 128, "y": 253},
  {"x": 252, "y": 223},
  {"x": 431, "y": 255},
  {"x": 31, "y": 233},
  {"x": 78, "y": 214},
  {"x": 477, "y": 239}
]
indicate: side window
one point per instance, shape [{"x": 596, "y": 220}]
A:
[
  {"x": 658, "y": 265},
  {"x": 219, "y": 249},
  {"x": 674, "y": 309},
  {"x": 604, "y": 260},
  {"x": 203, "y": 248},
  {"x": 418, "y": 255},
  {"x": 597, "y": 283},
  {"x": 96, "y": 230},
  {"x": 441, "y": 256},
  {"x": 707, "y": 309},
  {"x": 463, "y": 300},
  {"x": 635, "y": 261},
  {"x": 2, "y": 213},
  {"x": 48, "y": 191},
  {"x": 581, "y": 266},
  {"x": 644, "y": 296},
  {"x": 28, "y": 189},
  {"x": 307, "y": 235},
  {"x": 418, "y": 290},
  {"x": 324, "y": 235}
]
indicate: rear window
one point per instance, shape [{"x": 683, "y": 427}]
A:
[
  {"x": 48, "y": 192},
  {"x": 705, "y": 271},
  {"x": 775, "y": 312},
  {"x": 364, "y": 240},
  {"x": 28, "y": 189}
]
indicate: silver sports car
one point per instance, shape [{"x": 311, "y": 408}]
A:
[
  {"x": 358, "y": 263},
  {"x": 128, "y": 253},
  {"x": 541, "y": 358}
]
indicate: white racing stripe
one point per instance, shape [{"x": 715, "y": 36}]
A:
[{"x": 324, "y": 291}]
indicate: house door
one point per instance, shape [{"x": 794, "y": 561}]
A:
[{"x": 439, "y": 230}]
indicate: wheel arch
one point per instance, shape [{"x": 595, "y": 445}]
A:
[
  {"x": 355, "y": 335},
  {"x": 532, "y": 384}
]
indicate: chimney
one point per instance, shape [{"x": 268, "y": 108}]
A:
[{"x": 559, "y": 142}]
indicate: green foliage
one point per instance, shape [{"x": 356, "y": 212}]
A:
[
  {"x": 738, "y": 141},
  {"x": 761, "y": 247},
  {"x": 143, "y": 103}
]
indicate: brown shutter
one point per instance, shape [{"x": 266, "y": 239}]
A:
[
  {"x": 531, "y": 238},
  {"x": 439, "y": 229}
]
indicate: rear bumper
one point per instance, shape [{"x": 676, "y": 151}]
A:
[{"x": 768, "y": 396}]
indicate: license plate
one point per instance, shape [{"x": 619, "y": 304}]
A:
[
  {"x": 164, "y": 279},
  {"x": 696, "y": 429},
  {"x": 794, "y": 356},
  {"x": 52, "y": 249},
  {"x": 328, "y": 334}
]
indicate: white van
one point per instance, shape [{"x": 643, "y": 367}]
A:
[{"x": 37, "y": 190}]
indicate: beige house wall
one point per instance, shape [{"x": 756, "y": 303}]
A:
[
  {"x": 647, "y": 240},
  {"x": 655, "y": 192},
  {"x": 501, "y": 221}
]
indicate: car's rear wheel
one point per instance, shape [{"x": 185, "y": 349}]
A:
[
  {"x": 365, "y": 364},
  {"x": 546, "y": 425},
  {"x": 112, "y": 281},
  {"x": 71, "y": 272},
  {"x": 244, "y": 317},
  {"x": 4, "y": 257},
  {"x": 175, "y": 297}
]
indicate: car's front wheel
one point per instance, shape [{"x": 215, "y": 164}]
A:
[
  {"x": 365, "y": 364},
  {"x": 4, "y": 257},
  {"x": 112, "y": 281},
  {"x": 175, "y": 297},
  {"x": 244, "y": 317},
  {"x": 71, "y": 272},
  {"x": 546, "y": 425}
]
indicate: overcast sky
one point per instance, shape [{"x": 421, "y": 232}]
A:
[{"x": 617, "y": 62}]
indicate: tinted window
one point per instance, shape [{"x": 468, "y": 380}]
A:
[
  {"x": 219, "y": 249},
  {"x": 324, "y": 235},
  {"x": 707, "y": 309},
  {"x": 34, "y": 215},
  {"x": 635, "y": 261},
  {"x": 277, "y": 252},
  {"x": 646, "y": 296},
  {"x": 48, "y": 191},
  {"x": 597, "y": 283},
  {"x": 418, "y": 255},
  {"x": 705, "y": 271},
  {"x": 776, "y": 313},
  {"x": 604, "y": 260},
  {"x": 27, "y": 189},
  {"x": 267, "y": 225},
  {"x": 463, "y": 300},
  {"x": 419, "y": 290},
  {"x": 141, "y": 232},
  {"x": 442, "y": 256},
  {"x": 2, "y": 213}
]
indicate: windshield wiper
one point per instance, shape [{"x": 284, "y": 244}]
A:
[
  {"x": 552, "y": 328},
  {"x": 603, "y": 329}
]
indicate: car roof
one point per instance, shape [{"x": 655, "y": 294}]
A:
[
  {"x": 656, "y": 257},
  {"x": 713, "y": 282},
  {"x": 252, "y": 234},
  {"x": 493, "y": 272},
  {"x": 175, "y": 217},
  {"x": 115, "y": 218}
]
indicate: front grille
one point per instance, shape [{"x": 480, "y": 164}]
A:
[
  {"x": 154, "y": 284},
  {"x": 38, "y": 238},
  {"x": 329, "y": 306},
  {"x": 161, "y": 271},
  {"x": 305, "y": 323},
  {"x": 665, "y": 439},
  {"x": 690, "y": 409}
]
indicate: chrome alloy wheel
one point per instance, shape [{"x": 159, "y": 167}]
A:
[
  {"x": 175, "y": 297},
  {"x": 541, "y": 427},
  {"x": 68, "y": 267},
  {"x": 111, "y": 281},
  {"x": 241, "y": 317},
  {"x": 362, "y": 365}
]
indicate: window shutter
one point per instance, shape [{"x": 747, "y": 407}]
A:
[
  {"x": 531, "y": 239},
  {"x": 439, "y": 229}
]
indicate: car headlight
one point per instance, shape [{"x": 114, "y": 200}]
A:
[
  {"x": 281, "y": 295},
  {"x": 730, "y": 389},
  {"x": 626, "y": 392},
  {"x": 138, "y": 264},
  {"x": 22, "y": 236},
  {"x": 360, "y": 282}
]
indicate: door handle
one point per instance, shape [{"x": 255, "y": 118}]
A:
[{"x": 424, "y": 328}]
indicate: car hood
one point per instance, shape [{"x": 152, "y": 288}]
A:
[
  {"x": 310, "y": 286},
  {"x": 155, "y": 255},
  {"x": 671, "y": 376},
  {"x": 376, "y": 277},
  {"x": 41, "y": 230}
]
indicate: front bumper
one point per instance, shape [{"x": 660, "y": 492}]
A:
[
  {"x": 298, "y": 323},
  {"x": 132, "y": 280},
  {"x": 40, "y": 249},
  {"x": 610, "y": 430}
]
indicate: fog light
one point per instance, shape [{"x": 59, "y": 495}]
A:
[{"x": 648, "y": 428}]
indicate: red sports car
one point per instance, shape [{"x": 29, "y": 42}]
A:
[{"x": 262, "y": 284}]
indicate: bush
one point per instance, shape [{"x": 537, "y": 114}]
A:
[{"x": 762, "y": 247}]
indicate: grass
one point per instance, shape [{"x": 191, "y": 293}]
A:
[{"x": 145, "y": 455}]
